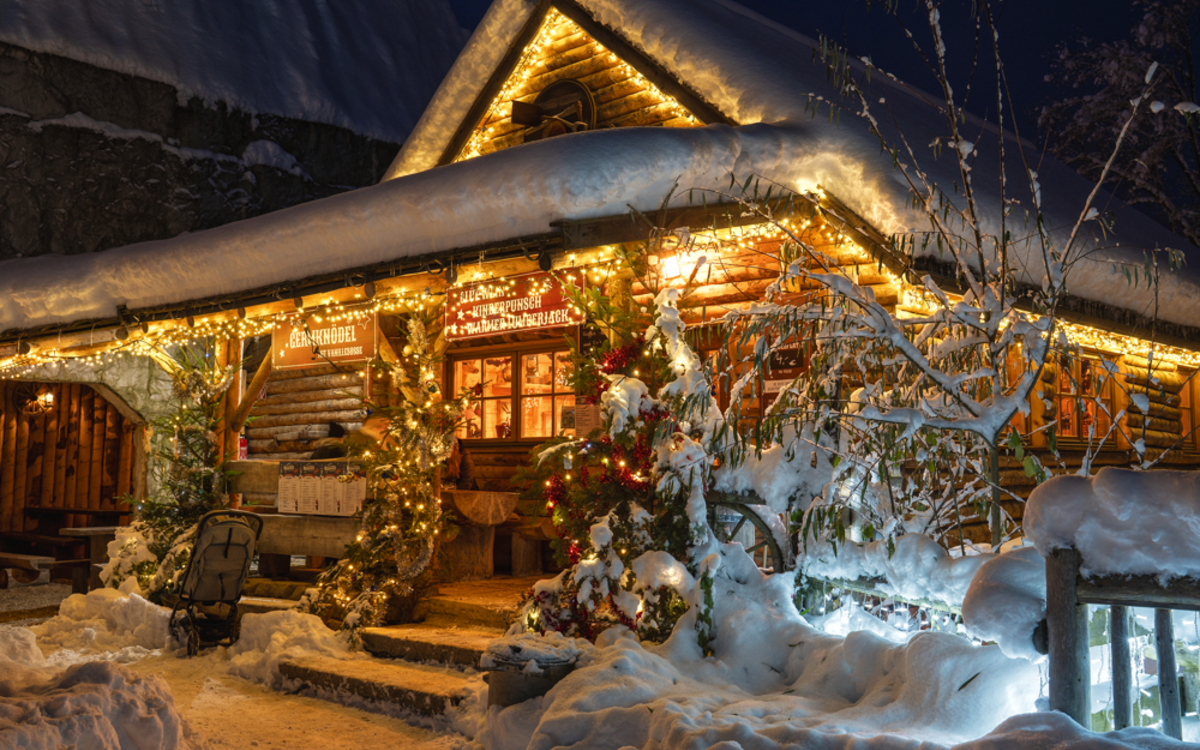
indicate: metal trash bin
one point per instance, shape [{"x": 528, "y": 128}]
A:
[{"x": 516, "y": 672}]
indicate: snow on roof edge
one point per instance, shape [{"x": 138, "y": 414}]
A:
[
  {"x": 460, "y": 88},
  {"x": 581, "y": 176}
]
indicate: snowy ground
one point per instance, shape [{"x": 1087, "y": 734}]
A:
[{"x": 102, "y": 675}]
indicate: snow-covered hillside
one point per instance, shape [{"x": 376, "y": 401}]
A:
[{"x": 370, "y": 67}]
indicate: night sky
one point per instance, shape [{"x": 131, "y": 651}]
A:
[{"x": 1029, "y": 32}]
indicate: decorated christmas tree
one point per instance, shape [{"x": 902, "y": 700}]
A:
[
  {"x": 186, "y": 463},
  {"x": 628, "y": 501},
  {"x": 402, "y": 520}
]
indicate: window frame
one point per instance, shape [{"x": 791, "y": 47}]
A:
[
  {"x": 517, "y": 351},
  {"x": 1105, "y": 395}
]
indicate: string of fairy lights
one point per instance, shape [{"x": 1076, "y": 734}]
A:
[
  {"x": 152, "y": 339},
  {"x": 717, "y": 246},
  {"x": 919, "y": 302},
  {"x": 556, "y": 26}
]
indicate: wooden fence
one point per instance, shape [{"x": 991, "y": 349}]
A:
[{"x": 1067, "y": 597}]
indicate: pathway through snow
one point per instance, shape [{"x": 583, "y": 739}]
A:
[{"x": 229, "y": 713}]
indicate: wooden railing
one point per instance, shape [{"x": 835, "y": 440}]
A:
[{"x": 1067, "y": 596}]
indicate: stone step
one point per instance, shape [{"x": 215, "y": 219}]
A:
[
  {"x": 422, "y": 689},
  {"x": 424, "y": 642},
  {"x": 257, "y": 605},
  {"x": 489, "y": 604},
  {"x": 448, "y": 613}
]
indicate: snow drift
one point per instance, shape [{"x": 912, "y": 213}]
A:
[{"x": 97, "y": 705}]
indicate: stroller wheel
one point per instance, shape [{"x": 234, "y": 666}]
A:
[{"x": 193, "y": 640}]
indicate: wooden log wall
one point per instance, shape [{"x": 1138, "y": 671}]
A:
[
  {"x": 295, "y": 411},
  {"x": 78, "y": 455},
  {"x": 298, "y": 407},
  {"x": 741, "y": 276},
  {"x": 621, "y": 98},
  {"x": 1169, "y": 441},
  {"x": 1164, "y": 384}
]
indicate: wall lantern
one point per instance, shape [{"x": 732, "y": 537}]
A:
[
  {"x": 33, "y": 400},
  {"x": 682, "y": 263}
]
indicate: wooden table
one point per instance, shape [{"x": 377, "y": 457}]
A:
[
  {"x": 98, "y": 538},
  {"x": 284, "y": 535}
]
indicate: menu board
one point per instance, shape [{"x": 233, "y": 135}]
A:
[{"x": 315, "y": 487}]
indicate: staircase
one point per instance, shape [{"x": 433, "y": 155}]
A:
[{"x": 419, "y": 666}]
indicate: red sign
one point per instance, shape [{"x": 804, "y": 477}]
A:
[
  {"x": 308, "y": 343},
  {"x": 518, "y": 303}
]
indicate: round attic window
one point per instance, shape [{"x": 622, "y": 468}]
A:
[{"x": 565, "y": 106}]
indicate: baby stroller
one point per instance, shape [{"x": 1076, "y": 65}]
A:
[{"x": 206, "y": 612}]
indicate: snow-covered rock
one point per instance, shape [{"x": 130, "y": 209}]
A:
[{"x": 368, "y": 67}]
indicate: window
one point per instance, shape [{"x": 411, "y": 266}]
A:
[
  {"x": 1084, "y": 398},
  {"x": 517, "y": 395},
  {"x": 546, "y": 395},
  {"x": 1186, "y": 420},
  {"x": 490, "y": 416}
]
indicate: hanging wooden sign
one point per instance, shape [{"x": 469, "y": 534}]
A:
[
  {"x": 517, "y": 303},
  {"x": 308, "y": 343}
]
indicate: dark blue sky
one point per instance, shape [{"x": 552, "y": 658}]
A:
[{"x": 1029, "y": 32}]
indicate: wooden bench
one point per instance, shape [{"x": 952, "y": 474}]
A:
[
  {"x": 38, "y": 563},
  {"x": 32, "y": 542},
  {"x": 98, "y": 538}
]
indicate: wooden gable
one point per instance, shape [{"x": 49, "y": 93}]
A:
[{"x": 567, "y": 44}]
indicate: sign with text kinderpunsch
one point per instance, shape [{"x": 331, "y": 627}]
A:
[
  {"x": 307, "y": 342},
  {"x": 517, "y": 303}
]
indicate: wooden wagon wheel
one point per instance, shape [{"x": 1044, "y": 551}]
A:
[{"x": 775, "y": 558}]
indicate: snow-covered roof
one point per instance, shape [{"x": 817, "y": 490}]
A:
[
  {"x": 370, "y": 67},
  {"x": 753, "y": 71},
  {"x": 511, "y": 193}
]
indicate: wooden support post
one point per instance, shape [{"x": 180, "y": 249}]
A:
[
  {"x": 256, "y": 385},
  {"x": 1122, "y": 667},
  {"x": 86, "y": 407},
  {"x": 1070, "y": 667},
  {"x": 62, "y": 404},
  {"x": 231, "y": 435},
  {"x": 8, "y": 462},
  {"x": 1168, "y": 674},
  {"x": 96, "y": 465},
  {"x": 72, "y": 395},
  {"x": 50, "y": 454},
  {"x": 233, "y": 397},
  {"x": 20, "y": 521},
  {"x": 526, "y": 556}
]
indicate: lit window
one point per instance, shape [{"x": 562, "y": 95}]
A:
[{"x": 516, "y": 395}]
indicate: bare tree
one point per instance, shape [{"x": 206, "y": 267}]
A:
[{"x": 1159, "y": 169}]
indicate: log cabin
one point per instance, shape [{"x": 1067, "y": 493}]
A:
[{"x": 559, "y": 117}]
